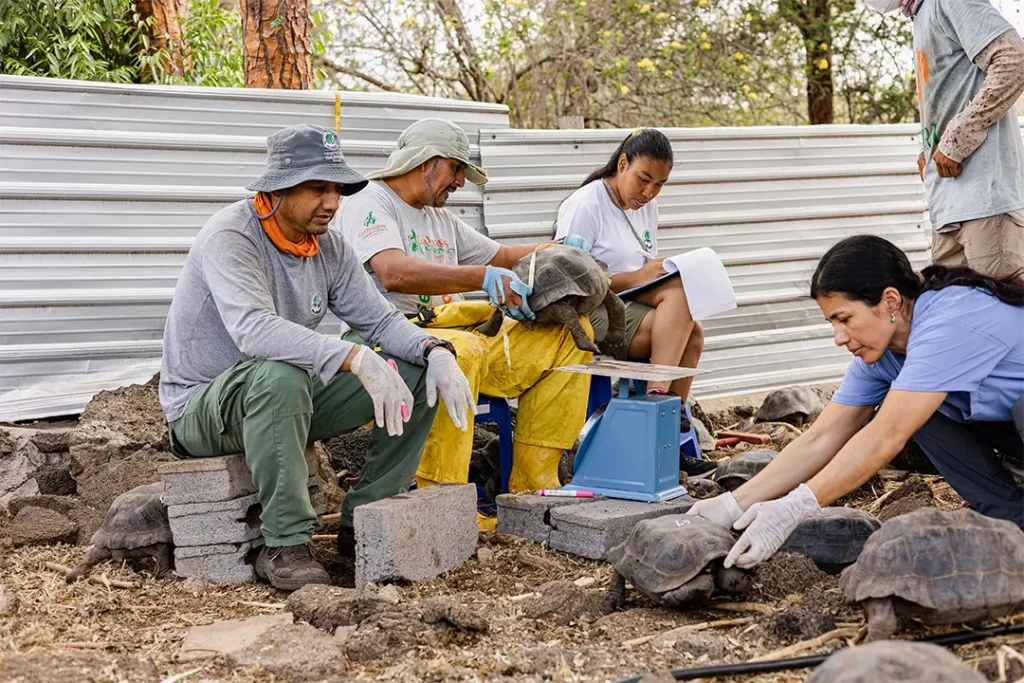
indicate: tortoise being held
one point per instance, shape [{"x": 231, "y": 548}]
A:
[
  {"x": 135, "y": 526},
  {"x": 666, "y": 558},
  {"x": 940, "y": 567},
  {"x": 567, "y": 283}
]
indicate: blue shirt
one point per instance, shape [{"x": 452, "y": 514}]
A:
[{"x": 963, "y": 341}]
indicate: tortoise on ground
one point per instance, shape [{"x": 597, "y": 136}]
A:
[
  {"x": 567, "y": 283},
  {"x": 895, "y": 660},
  {"x": 135, "y": 526},
  {"x": 739, "y": 469},
  {"x": 940, "y": 567},
  {"x": 792, "y": 404},
  {"x": 666, "y": 558},
  {"x": 833, "y": 537}
]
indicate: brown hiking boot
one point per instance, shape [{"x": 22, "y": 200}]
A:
[{"x": 290, "y": 567}]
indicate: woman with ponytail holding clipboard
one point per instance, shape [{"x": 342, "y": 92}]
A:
[{"x": 616, "y": 211}]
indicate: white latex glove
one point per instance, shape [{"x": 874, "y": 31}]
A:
[
  {"x": 723, "y": 510},
  {"x": 386, "y": 388},
  {"x": 769, "y": 524},
  {"x": 445, "y": 375}
]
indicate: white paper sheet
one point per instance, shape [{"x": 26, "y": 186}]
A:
[{"x": 707, "y": 286}]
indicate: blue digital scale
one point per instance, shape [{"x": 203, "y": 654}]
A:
[{"x": 629, "y": 448}]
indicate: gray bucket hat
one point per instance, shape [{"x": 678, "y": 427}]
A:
[
  {"x": 305, "y": 152},
  {"x": 426, "y": 139}
]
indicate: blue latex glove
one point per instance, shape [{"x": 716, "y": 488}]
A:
[
  {"x": 495, "y": 290},
  {"x": 578, "y": 242}
]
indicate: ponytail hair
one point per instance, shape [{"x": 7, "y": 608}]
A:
[
  {"x": 642, "y": 142},
  {"x": 861, "y": 267}
]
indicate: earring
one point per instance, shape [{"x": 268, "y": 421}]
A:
[{"x": 892, "y": 318}]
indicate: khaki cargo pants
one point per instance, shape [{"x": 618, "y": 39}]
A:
[{"x": 992, "y": 246}]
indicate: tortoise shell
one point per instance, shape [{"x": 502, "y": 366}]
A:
[
  {"x": 833, "y": 537},
  {"x": 739, "y": 469},
  {"x": 895, "y": 660},
  {"x": 958, "y": 566},
  {"x": 662, "y": 554},
  {"x": 789, "y": 402},
  {"x": 136, "y": 519},
  {"x": 561, "y": 272}
]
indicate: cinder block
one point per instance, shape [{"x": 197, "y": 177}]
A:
[
  {"x": 208, "y": 480},
  {"x": 220, "y": 563},
  {"x": 416, "y": 535},
  {"x": 528, "y": 515},
  {"x": 205, "y": 480},
  {"x": 229, "y": 521},
  {"x": 590, "y": 530}
]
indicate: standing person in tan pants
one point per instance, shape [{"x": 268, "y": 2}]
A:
[{"x": 969, "y": 62}]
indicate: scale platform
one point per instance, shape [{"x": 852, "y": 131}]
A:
[{"x": 629, "y": 448}]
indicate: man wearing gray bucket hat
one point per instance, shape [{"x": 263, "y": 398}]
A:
[
  {"x": 425, "y": 258},
  {"x": 245, "y": 370}
]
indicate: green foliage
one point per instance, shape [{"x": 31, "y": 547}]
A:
[
  {"x": 631, "y": 62},
  {"x": 92, "y": 40},
  {"x": 104, "y": 40}
]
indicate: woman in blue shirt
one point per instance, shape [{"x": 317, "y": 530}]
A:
[{"x": 942, "y": 352}]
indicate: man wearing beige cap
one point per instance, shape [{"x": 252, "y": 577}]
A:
[
  {"x": 425, "y": 258},
  {"x": 245, "y": 371}
]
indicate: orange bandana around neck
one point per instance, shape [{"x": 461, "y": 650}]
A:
[{"x": 307, "y": 248}]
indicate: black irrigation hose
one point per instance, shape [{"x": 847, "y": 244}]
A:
[{"x": 741, "y": 668}]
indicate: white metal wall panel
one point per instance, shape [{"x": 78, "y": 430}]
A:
[
  {"x": 103, "y": 187},
  {"x": 769, "y": 201}
]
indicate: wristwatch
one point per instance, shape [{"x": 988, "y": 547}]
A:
[{"x": 433, "y": 344}]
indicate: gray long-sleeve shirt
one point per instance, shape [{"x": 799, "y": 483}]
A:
[{"x": 239, "y": 298}]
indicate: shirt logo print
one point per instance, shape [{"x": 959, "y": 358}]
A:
[{"x": 316, "y": 304}]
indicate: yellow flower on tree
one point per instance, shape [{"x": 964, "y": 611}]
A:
[
  {"x": 705, "y": 46},
  {"x": 746, "y": 88},
  {"x": 645, "y": 63},
  {"x": 606, "y": 34},
  {"x": 822, "y": 64},
  {"x": 491, "y": 68},
  {"x": 745, "y": 68},
  {"x": 661, "y": 16},
  {"x": 823, "y": 47},
  {"x": 739, "y": 56},
  {"x": 703, "y": 3},
  {"x": 704, "y": 35},
  {"x": 410, "y": 21},
  {"x": 676, "y": 45},
  {"x": 644, "y": 9},
  {"x": 624, "y": 90}
]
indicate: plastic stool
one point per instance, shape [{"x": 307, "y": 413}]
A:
[{"x": 491, "y": 409}]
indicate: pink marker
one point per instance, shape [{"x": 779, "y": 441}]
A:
[
  {"x": 405, "y": 408},
  {"x": 566, "y": 493}
]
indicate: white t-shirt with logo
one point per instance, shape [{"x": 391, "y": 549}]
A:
[
  {"x": 591, "y": 213},
  {"x": 376, "y": 219}
]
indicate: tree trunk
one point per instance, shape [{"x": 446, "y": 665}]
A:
[
  {"x": 817, "y": 34},
  {"x": 276, "y": 43},
  {"x": 166, "y": 33}
]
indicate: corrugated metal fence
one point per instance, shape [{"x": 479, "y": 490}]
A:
[
  {"x": 770, "y": 201},
  {"x": 103, "y": 187}
]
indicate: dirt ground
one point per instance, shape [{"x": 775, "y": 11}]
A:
[{"x": 536, "y": 630}]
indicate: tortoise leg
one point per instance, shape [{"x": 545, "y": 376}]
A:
[
  {"x": 163, "y": 555},
  {"x": 882, "y": 621},
  {"x": 733, "y": 580},
  {"x": 91, "y": 559},
  {"x": 492, "y": 326},
  {"x": 616, "y": 319},
  {"x": 695, "y": 591},
  {"x": 616, "y": 595},
  {"x": 561, "y": 313}
]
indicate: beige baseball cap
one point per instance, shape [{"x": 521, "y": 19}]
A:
[{"x": 424, "y": 140}]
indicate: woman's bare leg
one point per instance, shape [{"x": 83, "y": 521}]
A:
[
  {"x": 691, "y": 356},
  {"x": 665, "y": 332}
]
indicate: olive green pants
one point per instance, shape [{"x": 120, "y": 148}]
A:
[{"x": 271, "y": 410}]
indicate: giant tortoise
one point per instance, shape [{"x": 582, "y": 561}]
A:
[
  {"x": 665, "y": 559},
  {"x": 940, "y": 567},
  {"x": 135, "y": 526},
  {"x": 567, "y": 283}
]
